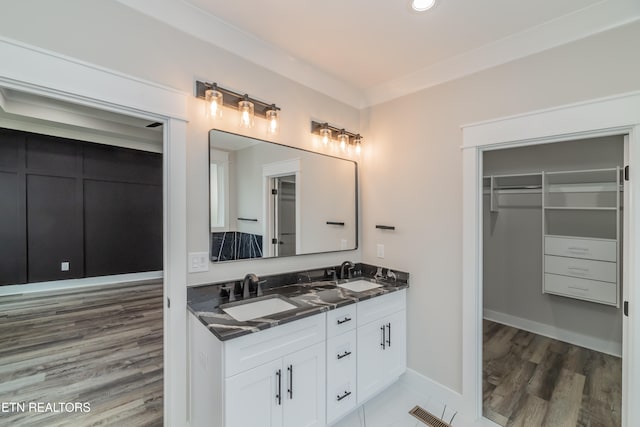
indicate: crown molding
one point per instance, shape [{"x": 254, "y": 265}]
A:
[
  {"x": 582, "y": 23},
  {"x": 209, "y": 28}
]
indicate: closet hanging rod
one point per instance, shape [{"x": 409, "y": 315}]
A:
[{"x": 519, "y": 187}]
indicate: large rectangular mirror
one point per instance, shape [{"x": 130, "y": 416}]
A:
[{"x": 270, "y": 200}]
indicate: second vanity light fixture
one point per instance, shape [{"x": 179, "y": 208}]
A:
[
  {"x": 216, "y": 97},
  {"x": 344, "y": 138}
]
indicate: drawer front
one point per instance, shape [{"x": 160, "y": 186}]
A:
[
  {"x": 249, "y": 351},
  {"x": 582, "y": 268},
  {"x": 603, "y": 250},
  {"x": 590, "y": 290},
  {"x": 341, "y": 320},
  {"x": 341, "y": 375},
  {"x": 379, "y": 307}
]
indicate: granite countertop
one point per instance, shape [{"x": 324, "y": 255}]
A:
[{"x": 310, "y": 298}]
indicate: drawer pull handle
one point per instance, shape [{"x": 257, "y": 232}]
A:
[
  {"x": 579, "y": 269},
  {"x": 343, "y": 355},
  {"x": 577, "y": 248},
  {"x": 577, "y": 288},
  {"x": 279, "y": 394},
  {"x": 346, "y": 393},
  {"x": 345, "y": 320}
]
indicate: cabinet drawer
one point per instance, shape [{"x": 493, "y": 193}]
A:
[
  {"x": 341, "y": 374},
  {"x": 582, "y": 268},
  {"x": 379, "y": 307},
  {"x": 249, "y": 351},
  {"x": 590, "y": 290},
  {"x": 603, "y": 250},
  {"x": 341, "y": 320}
]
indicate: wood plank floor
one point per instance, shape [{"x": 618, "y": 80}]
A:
[
  {"x": 531, "y": 381},
  {"x": 102, "y": 346}
]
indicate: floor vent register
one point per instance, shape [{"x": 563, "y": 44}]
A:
[{"x": 428, "y": 418}]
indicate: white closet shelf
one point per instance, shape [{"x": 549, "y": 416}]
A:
[{"x": 580, "y": 208}]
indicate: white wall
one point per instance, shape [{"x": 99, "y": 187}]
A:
[
  {"x": 114, "y": 36},
  {"x": 411, "y": 162},
  {"x": 412, "y": 170}
]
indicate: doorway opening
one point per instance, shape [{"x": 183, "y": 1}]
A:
[{"x": 552, "y": 331}]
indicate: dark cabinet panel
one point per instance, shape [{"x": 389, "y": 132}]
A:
[
  {"x": 123, "y": 227},
  {"x": 13, "y": 266},
  {"x": 47, "y": 153},
  {"x": 54, "y": 228},
  {"x": 11, "y": 143},
  {"x": 109, "y": 163}
]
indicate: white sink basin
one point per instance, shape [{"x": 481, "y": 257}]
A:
[
  {"x": 260, "y": 307},
  {"x": 359, "y": 286}
]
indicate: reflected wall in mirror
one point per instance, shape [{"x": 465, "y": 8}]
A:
[{"x": 270, "y": 200}]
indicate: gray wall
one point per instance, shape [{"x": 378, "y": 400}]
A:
[{"x": 513, "y": 240}]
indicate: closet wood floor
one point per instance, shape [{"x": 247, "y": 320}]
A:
[
  {"x": 531, "y": 380},
  {"x": 100, "y": 345}
]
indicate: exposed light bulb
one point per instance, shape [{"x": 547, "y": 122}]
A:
[
  {"x": 325, "y": 132},
  {"x": 343, "y": 138},
  {"x": 358, "y": 149},
  {"x": 246, "y": 112},
  {"x": 213, "y": 105},
  {"x": 272, "y": 117},
  {"x": 357, "y": 141}
]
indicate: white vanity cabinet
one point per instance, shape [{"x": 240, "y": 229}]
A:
[
  {"x": 341, "y": 362},
  {"x": 382, "y": 348},
  {"x": 275, "y": 378}
]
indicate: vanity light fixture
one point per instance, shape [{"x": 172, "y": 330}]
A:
[
  {"x": 246, "y": 112},
  {"x": 422, "y": 5},
  {"x": 213, "y": 98},
  {"x": 325, "y": 133},
  {"x": 345, "y": 138},
  {"x": 216, "y": 97},
  {"x": 273, "y": 119},
  {"x": 357, "y": 141}
]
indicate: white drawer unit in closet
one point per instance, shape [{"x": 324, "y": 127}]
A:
[
  {"x": 577, "y": 247},
  {"x": 590, "y": 290},
  {"x": 341, "y": 374},
  {"x": 582, "y": 268}
]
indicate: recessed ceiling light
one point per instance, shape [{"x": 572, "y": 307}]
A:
[{"x": 422, "y": 5}]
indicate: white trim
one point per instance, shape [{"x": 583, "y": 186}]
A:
[
  {"x": 204, "y": 26},
  {"x": 35, "y": 71},
  {"x": 87, "y": 282},
  {"x": 603, "y": 346},
  {"x": 582, "y": 23},
  {"x": 613, "y": 115}
]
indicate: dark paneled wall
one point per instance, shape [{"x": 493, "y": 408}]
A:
[{"x": 96, "y": 207}]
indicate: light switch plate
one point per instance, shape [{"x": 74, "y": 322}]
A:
[
  {"x": 64, "y": 266},
  {"x": 198, "y": 262},
  {"x": 380, "y": 250}
]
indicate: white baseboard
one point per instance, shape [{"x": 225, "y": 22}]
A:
[
  {"x": 59, "y": 285},
  {"x": 430, "y": 388},
  {"x": 604, "y": 346}
]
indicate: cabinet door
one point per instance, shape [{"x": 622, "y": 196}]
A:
[
  {"x": 255, "y": 397},
  {"x": 395, "y": 354},
  {"x": 382, "y": 354},
  {"x": 303, "y": 387}
]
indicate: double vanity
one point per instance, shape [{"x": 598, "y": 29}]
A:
[{"x": 296, "y": 349}]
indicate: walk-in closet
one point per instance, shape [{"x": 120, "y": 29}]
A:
[{"x": 552, "y": 283}]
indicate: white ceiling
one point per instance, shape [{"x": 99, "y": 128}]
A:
[{"x": 368, "y": 51}]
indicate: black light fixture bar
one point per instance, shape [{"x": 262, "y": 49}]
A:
[
  {"x": 316, "y": 126},
  {"x": 231, "y": 98}
]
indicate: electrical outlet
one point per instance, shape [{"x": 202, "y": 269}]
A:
[
  {"x": 64, "y": 266},
  {"x": 380, "y": 250},
  {"x": 198, "y": 262}
]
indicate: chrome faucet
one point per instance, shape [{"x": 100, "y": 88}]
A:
[
  {"x": 249, "y": 281},
  {"x": 349, "y": 265}
]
